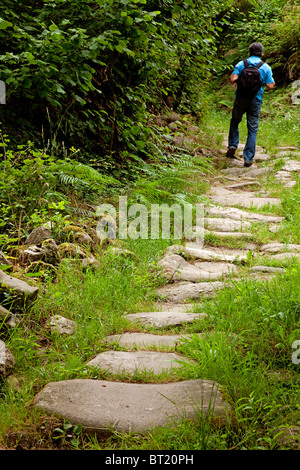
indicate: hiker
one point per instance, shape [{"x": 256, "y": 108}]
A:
[{"x": 250, "y": 77}]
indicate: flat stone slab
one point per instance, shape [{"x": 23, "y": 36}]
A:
[
  {"x": 101, "y": 406},
  {"x": 266, "y": 269},
  {"x": 254, "y": 172},
  {"x": 182, "y": 291},
  {"x": 291, "y": 166},
  {"x": 283, "y": 175},
  {"x": 287, "y": 256},
  {"x": 239, "y": 214},
  {"x": 226, "y": 225},
  {"x": 249, "y": 172},
  {"x": 146, "y": 340},
  {"x": 164, "y": 319},
  {"x": 177, "y": 269},
  {"x": 279, "y": 247},
  {"x": 23, "y": 293},
  {"x": 221, "y": 195},
  {"x": 216, "y": 269},
  {"x": 193, "y": 251},
  {"x": 286, "y": 153},
  {"x": 235, "y": 235},
  {"x": 262, "y": 157},
  {"x": 129, "y": 362},
  {"x": 171, "y": 307},
  {"x": 243, "y": 185}
]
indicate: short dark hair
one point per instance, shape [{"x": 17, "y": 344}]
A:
[{"x": 256, "y": 49}]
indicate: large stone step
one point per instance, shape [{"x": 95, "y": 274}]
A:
[
  {"x": 183, "y": 291},
  {"x": 130, "y": 362},
  {"x": 240, "y": 215},
  {"x": 226, "y": 225},
  {"x": 192, "y": 250},
  {"x": 146, "y": 340},
  {"x": 101, "y": 406},
  {"x": 176, "y": 268},
  {"x": 164, "y": 319},
  {"x": 248, "y": 199}
]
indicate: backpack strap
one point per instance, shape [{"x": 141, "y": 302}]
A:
[
  {"x": 260, "y": 64},
  {"x": 257, "y": 66}
]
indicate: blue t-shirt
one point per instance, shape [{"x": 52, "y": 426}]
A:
[{"x": 265, "y": 72}]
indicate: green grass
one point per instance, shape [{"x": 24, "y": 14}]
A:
[{"x": 247, "y": 338}]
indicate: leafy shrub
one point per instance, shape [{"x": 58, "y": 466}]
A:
[
  {"x": 276, "y": 24},
  {"x": 86, "y": 77}
]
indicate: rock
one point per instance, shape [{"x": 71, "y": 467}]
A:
[
  {"x": 8, "y": 318},
  {"x": 145, "y": 340},
  {"x": 216, "y": 270},
  {"x": 165, "y": 318},
  {"x": 101, "y": 406},
  {"x": 288, "y": 437},
  {"x": 14, "y": 383},
  {"x": 7, "y": 360},
  {"x": 183, "y": 291},
  {"x": 194, "y": 129},
  {"x": 33, "y": 253},
  {"x": 4, "y": 260},
  {"x": 71, "y": 250},
  {"x": 226, "y": 225},
  {"x": 21, "y": 293},
  {"x": 287, "y": 256},
  {"x": 286, "y": 153},
  {"x": 258, "y": 171},
  {"x": 266, "y": 269},
  {"x": 238, "y": 214},
  {"x": 203, "y": 254},
  {"x": 235, "y": 235},
  {"x": 262, "y": 157},
  {"x": 173, "y": 126},
  {"x": 296, "y": 94},
  {"x": 62, "y": 325},
  {"x": 291, "y": 166},
  {"x": 78, "y": 235},
  {"x": 176, "y": 268},
  {"x": 160, "y": 121},
  {"x": 243, "y": 185},
  {"x": 40, "y": 266},
  {"x": 130, "y": 362},
  {"x": 295, "y": 84},
  {"x": 48, "y": 252},
  {"x": 38, "y": 235},
  {"x": 279, "y": 247},
  {"x": 222, "y": 196}
]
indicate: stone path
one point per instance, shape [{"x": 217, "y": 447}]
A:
[{"x": 193, "y": 273}]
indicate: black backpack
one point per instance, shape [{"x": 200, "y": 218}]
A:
[{"x": 249, "y": 82}]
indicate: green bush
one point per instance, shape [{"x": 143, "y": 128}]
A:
[
  {"x": 276, "y": 24},
  {"x": 86, "y": 77}
]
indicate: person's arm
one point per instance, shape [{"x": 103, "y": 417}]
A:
[
  {"x": 270, "y": 85},
  {"x": 234, "y": 77}
]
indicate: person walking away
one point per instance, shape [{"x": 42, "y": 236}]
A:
[{"x": 250, "y": 75}]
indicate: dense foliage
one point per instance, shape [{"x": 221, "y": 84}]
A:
[
  {"x": 274, "y": 23},
  {"x": 87, "y": 74}
]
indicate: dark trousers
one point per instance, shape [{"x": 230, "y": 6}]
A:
[{"x": 252, "y": 109}]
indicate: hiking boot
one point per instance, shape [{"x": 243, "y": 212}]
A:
[
  {"x": 231, "y": 152},
  {"x": 247, "y": 163}
]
